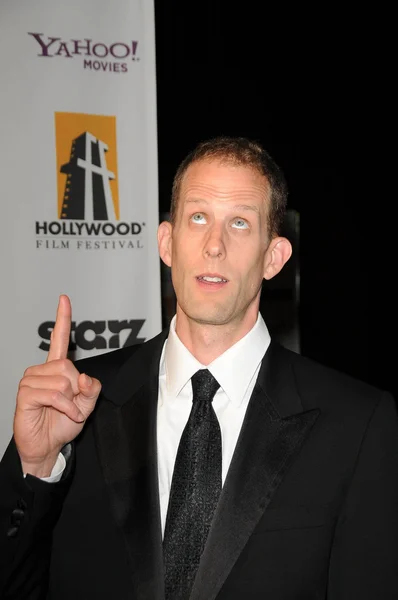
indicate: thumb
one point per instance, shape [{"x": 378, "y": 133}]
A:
[{"x": 89, "y": 388}]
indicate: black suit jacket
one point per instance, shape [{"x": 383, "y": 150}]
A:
[{"x": 309, "y": 508}]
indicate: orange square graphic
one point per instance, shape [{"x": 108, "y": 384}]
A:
[{"x": 86, "y": 155}]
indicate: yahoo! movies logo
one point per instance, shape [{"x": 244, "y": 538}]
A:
[
  {"x": 88, "y": 202},
  {"x": 114, "y": 57}
]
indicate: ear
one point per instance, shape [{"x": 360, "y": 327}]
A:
[
  {"x": 278, "y": 253},
  {"x": 164, "y": 242}
]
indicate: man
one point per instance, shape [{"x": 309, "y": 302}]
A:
[{"x": 309, "y": 471}]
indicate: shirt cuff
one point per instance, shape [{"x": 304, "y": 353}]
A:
[{"x": 57, "y": 470}]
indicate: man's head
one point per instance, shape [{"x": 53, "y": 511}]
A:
[{"x": 228, "y": 203}]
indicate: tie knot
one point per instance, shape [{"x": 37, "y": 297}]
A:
[{"x": 204, "y": 385}]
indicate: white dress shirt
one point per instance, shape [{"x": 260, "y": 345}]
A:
[{"x": 236, "y": 371}]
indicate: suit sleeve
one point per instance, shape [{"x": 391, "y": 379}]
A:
[
  {"x": 29, "y": 510},
  {"x": 364, "y": 558}
]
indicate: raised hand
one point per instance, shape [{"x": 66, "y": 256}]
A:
[{"x": 53, "y": 401}]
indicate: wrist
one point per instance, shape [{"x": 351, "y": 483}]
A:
[{"x": 39, "y": 469}]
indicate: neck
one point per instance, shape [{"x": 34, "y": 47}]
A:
[{"x": 205, "y": 341}]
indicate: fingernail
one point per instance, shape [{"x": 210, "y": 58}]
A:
[
  {"x": 87, "y": 380},
  {"x": 80, "y": 417}
]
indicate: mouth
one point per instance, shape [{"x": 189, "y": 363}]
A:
[{"x": 211, "y": 280}]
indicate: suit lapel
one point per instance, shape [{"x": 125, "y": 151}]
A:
[
  {"x": 273, "y": 432},
  {"x": 125, "y": 431}
]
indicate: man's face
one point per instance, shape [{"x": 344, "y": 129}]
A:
[{"x": 218, "y": 246}]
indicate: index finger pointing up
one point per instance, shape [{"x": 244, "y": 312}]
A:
[{"x": 61, "y": 333}]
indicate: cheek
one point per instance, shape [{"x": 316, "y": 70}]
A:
[
  {"x": 186, "y": 250},
  {"x": 182, "y": 263},
  {"x": 248, "y": 264}
]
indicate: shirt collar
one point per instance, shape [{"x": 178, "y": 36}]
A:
[{"x": 234, "y": 369}]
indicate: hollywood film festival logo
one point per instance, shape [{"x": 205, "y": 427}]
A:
[
  {"x": 88, "y": 202},
  {"x": 95, "y": 56}
]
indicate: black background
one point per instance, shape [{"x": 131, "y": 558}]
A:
[{"x": 306, "y": 81}]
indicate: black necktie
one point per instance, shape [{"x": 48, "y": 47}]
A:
[{"x": 195, "y": 489}]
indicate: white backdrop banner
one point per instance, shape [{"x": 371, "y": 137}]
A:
[{"x": 79, "y": 182}]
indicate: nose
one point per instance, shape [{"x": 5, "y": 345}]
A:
[{"x": 214, "y": 246}]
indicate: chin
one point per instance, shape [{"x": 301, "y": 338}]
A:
[{"x": 209, "y": 317}]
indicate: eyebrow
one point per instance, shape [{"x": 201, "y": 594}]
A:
[{"x": 251, "y": 207}]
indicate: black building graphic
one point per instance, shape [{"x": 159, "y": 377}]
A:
[{"x": 87, "y": 192}]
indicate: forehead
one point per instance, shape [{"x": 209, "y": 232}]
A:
[{"x": 215, "y": 180}]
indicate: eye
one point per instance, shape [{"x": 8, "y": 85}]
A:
[
  {"x": 240, "y": 224},
  {"x": 198, "y": 218}
]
